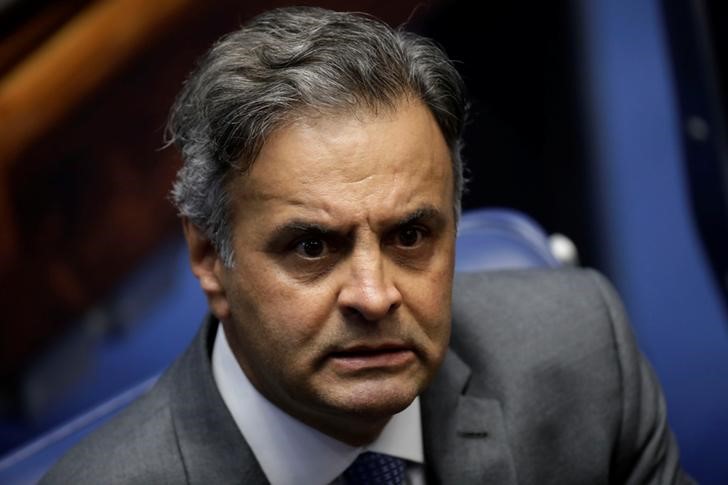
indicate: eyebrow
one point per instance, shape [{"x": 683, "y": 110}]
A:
[
  {"x": 293, "y": 228},
  {"x": 424, "y": 213},
  {"x": 300, "y": 225},
  {"x": 282, "y": 234}
]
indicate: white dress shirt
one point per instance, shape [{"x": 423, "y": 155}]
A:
[{"x": 291, "y": 452}]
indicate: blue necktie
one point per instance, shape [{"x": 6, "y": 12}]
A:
[{"x": 376, "y": 469}]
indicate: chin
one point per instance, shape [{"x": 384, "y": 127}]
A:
[{"x": 377, "y": 400}]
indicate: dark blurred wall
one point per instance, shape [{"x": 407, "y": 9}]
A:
[{"x": 524, "y": 143}]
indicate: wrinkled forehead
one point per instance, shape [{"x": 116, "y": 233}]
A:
[
  {"x": 351, "y": 106},
  {"x": 370, "y": 159},
  {"x": 354, "y": 112}
]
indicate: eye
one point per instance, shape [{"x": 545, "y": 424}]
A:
[
  {"x": 311, "y": 248},
  {"x": 409, "y": 236}
]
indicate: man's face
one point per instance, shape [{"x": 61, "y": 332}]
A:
[{"x": 338, "y": 304}]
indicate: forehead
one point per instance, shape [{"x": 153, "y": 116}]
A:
[{"x": 350, "y": 164}]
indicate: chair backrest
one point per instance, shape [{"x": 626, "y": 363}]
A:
[
  {"x": 642, "y": 210},
  {"x": 501, "y": 239},
  {"x": 487, "y": 239}
]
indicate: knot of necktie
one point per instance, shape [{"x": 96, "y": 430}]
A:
[{"x": 376, "y": 469}]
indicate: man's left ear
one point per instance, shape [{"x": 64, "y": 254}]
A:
[{"x": 208, "y": 268}]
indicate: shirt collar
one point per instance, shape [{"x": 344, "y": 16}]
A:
[{"x": 276, "y": 438}]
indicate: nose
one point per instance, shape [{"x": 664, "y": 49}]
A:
[{"x": 368, "y": 292}]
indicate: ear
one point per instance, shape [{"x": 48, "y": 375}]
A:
[{"x": 208, "y": 268}]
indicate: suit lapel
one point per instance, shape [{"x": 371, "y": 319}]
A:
[
  {"x": 213, "y": 449},
  {"x": 464, "y": 435}
]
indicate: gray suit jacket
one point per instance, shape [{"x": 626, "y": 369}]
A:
[{"x": 543, "y": 385}]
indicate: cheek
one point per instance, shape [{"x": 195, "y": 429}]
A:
[
  {"x": 429, "y": 300},
  {"x": 283, "y": 312}
]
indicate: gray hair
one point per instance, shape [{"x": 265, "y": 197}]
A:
[{"x": 285, "y": 63}]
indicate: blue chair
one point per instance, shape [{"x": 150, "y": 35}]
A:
[
  {"x": 644, "y": 217},
  {"x": 487, "y": 239},
  {"x": 501, "y": 239}
]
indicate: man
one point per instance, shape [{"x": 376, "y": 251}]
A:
[{"x": 320, "y": 194}]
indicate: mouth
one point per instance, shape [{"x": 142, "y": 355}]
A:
[{"x": 366, "y": 357}]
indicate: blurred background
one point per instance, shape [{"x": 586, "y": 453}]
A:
[{"x": 604, "y": 120}]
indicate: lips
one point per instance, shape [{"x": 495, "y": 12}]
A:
[{"x": 382, "y": 356}]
